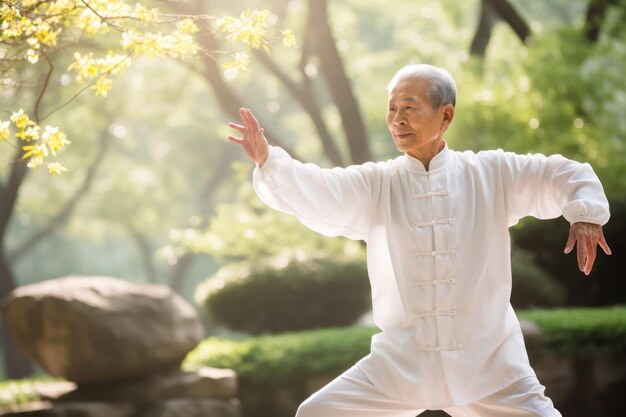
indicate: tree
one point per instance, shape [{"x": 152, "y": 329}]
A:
[
  {"x": 490, "y": 12},
  {"x": 36, "y": 32}
]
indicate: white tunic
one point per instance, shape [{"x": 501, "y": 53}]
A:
[{"x": 438, "y": 256}]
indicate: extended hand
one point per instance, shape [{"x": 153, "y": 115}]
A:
[
  {"x": 586, "y": 236},
  {"x": 253, "y": 141}
]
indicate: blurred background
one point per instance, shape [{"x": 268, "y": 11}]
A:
[{"x": 155, "y": 193}]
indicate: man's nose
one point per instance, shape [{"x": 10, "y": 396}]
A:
[{"x": 398, "y": 120}]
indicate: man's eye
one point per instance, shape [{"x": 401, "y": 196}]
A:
[{"x": 392, "y": 109}]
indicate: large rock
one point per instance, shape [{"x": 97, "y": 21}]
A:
[
  {"x": 203, "y": 383},
  {"x": 95, "y": 329},
  {"x": 46, "y": 409}
]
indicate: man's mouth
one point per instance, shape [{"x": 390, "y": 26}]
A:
[{"x": 402, "y": 135}]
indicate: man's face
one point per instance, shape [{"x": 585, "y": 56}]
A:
[{"x": 416, "y": 129}]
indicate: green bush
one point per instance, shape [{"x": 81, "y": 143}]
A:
[
  {"x": 301, "y": 295},
  {"x": 533, "y": 286},
  {"x": 581, "y": 330},
  {"x": 283, "y": 359},
  {"x": 21, "y": 391},
  {"x": 287, "y": 363}
]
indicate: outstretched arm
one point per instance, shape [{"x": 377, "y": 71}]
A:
[
  {"x": 586, "y": 236},
  {"x": 253, "y": 140}
]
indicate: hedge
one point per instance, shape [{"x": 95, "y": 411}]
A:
[
  {"x": 581, "y": 330},
  {"x": 281, "y": 359},
  {"x": 316, "y": 293},
  {"x": 274, "y": 360}
]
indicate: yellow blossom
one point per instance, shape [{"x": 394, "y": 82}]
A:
[
  {"x": 250, "y": 28},
  {"x": 289, "y": 39},
  {"x": 32, "y": 56},
  {"x": 4, "y": 130},
  {"x": 35, "y": 162},
  {"x": 54, "y": 139},
  {"x": 35, "y": 151},
  {"x": 55, "y": 168},
  {"x": 21, "y": 119},
  {"x": 186, "y": 26},
  {"x": 240, "y": 61},
  {"x": 31, "y": 134},
  {"x": 102, "y": 86}
]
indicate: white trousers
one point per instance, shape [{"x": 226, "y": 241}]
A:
[{"x": 353, "y": 395}]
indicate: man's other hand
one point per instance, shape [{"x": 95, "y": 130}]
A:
[
  {"x": 586, "y": 236},
  {"x": 253, "y": 141}
]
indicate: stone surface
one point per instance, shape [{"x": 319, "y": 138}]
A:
[
  {"x": 44, "y": 409},
  {"x": 192, "y": 408},
  {"x": 93, "y": 329},
  {"x": 204, "y": 383}
]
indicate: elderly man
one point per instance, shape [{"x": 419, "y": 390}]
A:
[{"x": 438, "y": 254}]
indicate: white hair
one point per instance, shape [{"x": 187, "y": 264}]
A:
[{"x": 442, "y": 89}]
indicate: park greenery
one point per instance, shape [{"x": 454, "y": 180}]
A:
[{"x": 151, "y": 191}]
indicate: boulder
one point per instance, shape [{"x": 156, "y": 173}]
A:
[
  {"x": 192, "y": 407},
  {"x": 204, "y": 383},
  {"x": 46, "y": 409},
  {"x": 97, "y": 329}
]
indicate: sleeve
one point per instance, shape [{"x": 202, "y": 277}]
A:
[
  {"x": 333, "y": 202},
  {"x": 547, "y": 187}
]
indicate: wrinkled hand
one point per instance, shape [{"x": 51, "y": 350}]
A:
[
  {"x": 586, "y": 236},
  {"x": 253, "y": 141}
]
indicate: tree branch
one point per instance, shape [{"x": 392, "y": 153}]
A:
[
  {"x": 507, "y": 12},
  {"x": 64, "y": 213},
  {"x": 483, "y": 32},
  {"x": 309, "y": 103},
  {"x": 44, "y": 88},
  {"x": 594, "y": 17},
  {"x": 338, "y": 83}
]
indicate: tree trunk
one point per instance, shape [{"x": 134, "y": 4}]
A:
[
  {"x": 507, "y": 12},
  {"x": 594, "y": 17},
  {"x": 483, "y": 32},
  {"x": 16, "y": 365},
  {"x": 66, "y": 211},
  {"x": 338, "y": 83},
  {"x": 490, "y": 12}
]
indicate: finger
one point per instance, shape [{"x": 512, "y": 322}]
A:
[
  {"x": 253, "y": 121},
  {"x": 571, "y": 240},
  {"x": 237, "y": 127},
  {"x": 233, "y": 139},
  {"x": 581, "y": 255},
  {"x": 604, "y": 245},
  {"x": 591, "y": 257}
]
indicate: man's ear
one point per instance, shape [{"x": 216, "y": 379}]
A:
[{"x": 448, "y": 116}]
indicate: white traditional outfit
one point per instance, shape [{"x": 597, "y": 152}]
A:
[{"x": 438, "y": 256}]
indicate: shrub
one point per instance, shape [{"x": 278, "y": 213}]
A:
[
  {"x": 301, "y": 295},
  {"x": 275, "y": 371},
  {"x": 581, "y": 330},
  {"x": 532, "y": 285}
]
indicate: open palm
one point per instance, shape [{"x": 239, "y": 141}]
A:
[{"x": 253, "y": 141}]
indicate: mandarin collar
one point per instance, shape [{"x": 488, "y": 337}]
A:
[{"x": 439, "y": 161}]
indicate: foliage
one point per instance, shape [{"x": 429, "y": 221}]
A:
[
  {"x": 20, "y": 392},
  {"x": 287, "y": 295},
  {"x": 31, "y": 29},
  {"x": 248, "y": 229},
  {"x": 581, "y": 330},
  {"x": 285, "y": 358},
  {"x": 605, "y": 285},
  {"x": 533, "y": 286}
]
